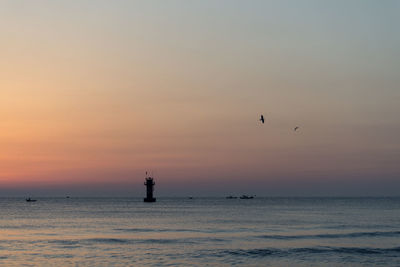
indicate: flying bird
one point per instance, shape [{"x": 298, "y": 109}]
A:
[
  {"x": 262, "y": 119},
  {"x": 295, "y": 128}
]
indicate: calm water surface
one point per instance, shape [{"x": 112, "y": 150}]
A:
[{"x": 200, "y": 232}]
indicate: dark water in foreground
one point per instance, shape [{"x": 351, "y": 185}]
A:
[{"x": 200, "y": 232}]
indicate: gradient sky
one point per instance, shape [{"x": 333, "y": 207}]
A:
[{"x": 94, "y": 93}]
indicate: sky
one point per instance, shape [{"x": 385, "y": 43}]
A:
[{"x": 95, "y": 93}]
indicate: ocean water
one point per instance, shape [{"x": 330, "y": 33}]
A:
[{"x": 200, "y": 232}]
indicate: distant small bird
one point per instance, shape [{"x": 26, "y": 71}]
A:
[
  {"x": 295, "y": 128},
  {"x": 262, "y": 119}
]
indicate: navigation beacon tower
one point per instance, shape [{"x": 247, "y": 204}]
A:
[{"x": 149, "y": 183}]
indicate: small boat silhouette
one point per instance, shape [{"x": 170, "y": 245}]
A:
[
  {"x": 30, "y": 200},
  {"x": 246, "y": 197},
  {"x": 231, "y": 197}
]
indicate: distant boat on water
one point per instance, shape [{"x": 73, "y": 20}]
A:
[
  {"x": 246, "y": 197},
  {"x": 30, "y": 200},
  {"x": 231, "y": 197}
]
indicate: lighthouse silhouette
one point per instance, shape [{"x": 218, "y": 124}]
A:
[{"x": 149, "y": 183}]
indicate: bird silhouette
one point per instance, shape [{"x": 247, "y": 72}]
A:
[
  {"x": 295, "y": 128},
  {"x": 262, "y": 119}
]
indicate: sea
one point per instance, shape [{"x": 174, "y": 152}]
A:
[{"x": 273, "y": 231}]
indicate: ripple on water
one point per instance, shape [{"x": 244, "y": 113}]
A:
[
  {"x": 344, "y": 235},
  {"x": 309, "y": 251}
]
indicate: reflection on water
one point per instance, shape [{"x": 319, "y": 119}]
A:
[{"x": 197, "y": 232}]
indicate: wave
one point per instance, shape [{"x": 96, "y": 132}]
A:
[
  {"x": 353, "y": 226},
  {"x": 76, "y": 243},
  {"x": 152, "y": 240},
  {"x": 144, "y": 230},
  {"x": 108, "y": 240},
  {"x": 28, "y": 226},
  {"x": 140, "y": 230},
  {"x": 311, "y": 251},
  {"x": 64, "y": 242},
  {"x": 344, "y": 235},
  {"x": 55, "y": 256}
]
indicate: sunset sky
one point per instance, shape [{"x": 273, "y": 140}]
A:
[{"x": 94, "y": 93}]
